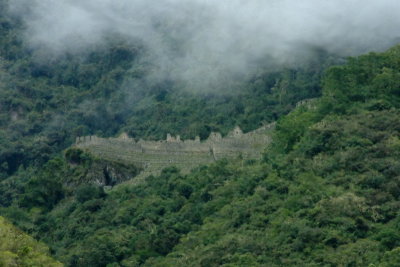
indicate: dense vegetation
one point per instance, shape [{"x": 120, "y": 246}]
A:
[
  {"x": 48, "y": 100},
  {"x": 325, "y": 194},
  {"x": 18, "y": 249}
]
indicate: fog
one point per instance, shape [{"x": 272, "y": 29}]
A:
[{"x": 207, "y": 39}]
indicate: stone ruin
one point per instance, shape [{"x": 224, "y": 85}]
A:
[{"x": 153, "y": 156}]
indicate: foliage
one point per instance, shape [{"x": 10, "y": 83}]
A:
[
  {"x": 325, "y": 194},
  {"x": 47, "y": 100},
  {"x": 19, "y": 249}
]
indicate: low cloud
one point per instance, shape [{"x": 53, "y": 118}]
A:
[{"x": 205, "y": 40}]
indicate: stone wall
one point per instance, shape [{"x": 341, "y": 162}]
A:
[{"x": 153, "y": 156}]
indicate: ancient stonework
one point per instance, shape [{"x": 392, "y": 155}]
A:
[{"x": 153, "y": 156}]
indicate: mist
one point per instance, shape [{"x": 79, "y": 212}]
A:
[{"x": 207, "y": 40}]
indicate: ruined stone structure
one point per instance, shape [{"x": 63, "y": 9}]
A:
[
  {"x": 308, "y": 103},
  {"x": 153, "y": 156}
]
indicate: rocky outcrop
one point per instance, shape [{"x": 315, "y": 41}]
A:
[
  {"x": 105, "y": 173},
  {"x": 97, "y": 171}
]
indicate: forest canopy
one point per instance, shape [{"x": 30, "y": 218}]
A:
[{"x": 325, "y": 193}]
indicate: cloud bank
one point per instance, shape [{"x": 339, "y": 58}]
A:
[{"x": 204, "y": 39}]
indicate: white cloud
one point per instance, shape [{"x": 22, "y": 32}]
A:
[{"x": 215, "y": 36}]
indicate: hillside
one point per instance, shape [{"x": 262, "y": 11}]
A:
[
  {"x": 293, "y": 162},
  {"x": 105, "y": 91},
  {"x": 18, "y": 249},
  {"x": 324, "y": 194}
]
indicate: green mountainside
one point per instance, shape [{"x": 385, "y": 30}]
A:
[
  {"x": 326, "y": 191},
  {"x": 325, "y": 194},
  {"x": 46, "y": 103}
]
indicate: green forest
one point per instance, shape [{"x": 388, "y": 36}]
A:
[{"x": 325, "y": 193}]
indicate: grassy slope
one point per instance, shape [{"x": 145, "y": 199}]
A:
[{"x": 19, "y": 249}]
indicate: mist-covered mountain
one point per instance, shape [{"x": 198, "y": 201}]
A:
[{"x": 325, "y": 193}]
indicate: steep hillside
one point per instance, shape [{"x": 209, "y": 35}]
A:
[
  {"x": 19, "y": 249},
  {"x": 322, "y": 189},
  {"x": 326, "y": 192},
  {"x": 110, "y": 88}
]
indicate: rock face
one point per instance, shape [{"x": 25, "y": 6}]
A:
[
  {"x": 91, "y": 169},
  {"x": 104, "y": 173},
  {"x": 153, "y": 156}
]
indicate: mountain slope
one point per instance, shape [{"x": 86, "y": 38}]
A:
[
  {"x": 110, "y": 88},
  {"x": 325, "y": 194},
  {"x": 18, "y": 249}
]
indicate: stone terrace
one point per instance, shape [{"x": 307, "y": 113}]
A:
[{"x": 153, "y": 156}]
